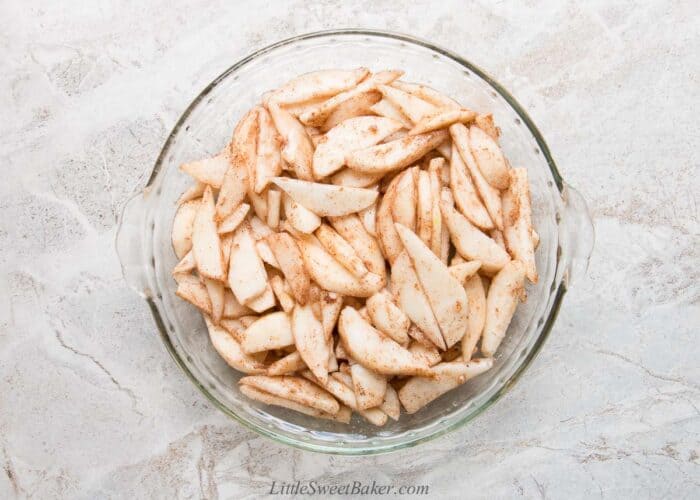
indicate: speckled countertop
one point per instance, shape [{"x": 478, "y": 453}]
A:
[{"x": 92, "y": 406}]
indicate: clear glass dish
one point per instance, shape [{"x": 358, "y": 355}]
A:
[{"x": 143, "y": 240}]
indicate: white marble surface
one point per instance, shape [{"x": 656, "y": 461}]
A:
[{"x": 92, "y": 406}]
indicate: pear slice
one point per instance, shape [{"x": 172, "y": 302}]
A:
[
  {"x": 295, "y": 389},
  {"x": 318, "y": 84},
  {"x": 369, "y": 387},
  {"x": 264, "y": 301},
  {"x": 489, "y": 157},
  {"x": 501, "y": 301},
  {"x": 271, "y": 331},
  {"x": 215, "y": 289},
  {"x": 517, "y": 222},
  {"x": 351, "y": 228},
  {"x": 182, "y": 227},
  {"x": 299, "y": 217},
  {"x": 342, "y": 385},
  {"x": 274, "y": 204},
  {"x": 419, "y": 391},
  {"x": 396, "y": 154},
  {"x": 360, "y": 105},
  {"x": 465, "y": 195},
  {"x": 489, "y": 194},
  {"x": 414, "y": 108},
  {"x": 317, "y": 116},
  {"x": 279, "y": 288},
  {"x": 241, "y": 171},
  {"x": 341, "y": 250},
  {"x": 191, "y": 193},
  {"x": 186, "y": 264},
  {"x": 206, "y": 245},
  {"x": 208, "y": 170},
  {"x": 464, "y": 270},
  {"x": 471, "y": 243},
  {"x": 247, "y": 277},
  {"x": 406, "y": 199},
  {"x": 298, "y": 150},
  {"x": 445, "y": 294},
  {"x": 351, "y": 178},
  {"x": 388, "y": 110},
  {"x": 291, "y": 263},
  {"x": 343, "y": 415},
  {"x": 476, "y": 295},
  {"x": 442, "y": 118},
  {"x": 291, "y": 363},
  {"x": 232, "y": 221},
  {"x": 412, "y": 299},
  {"x": 326, "y": 199},
  {"x": 368, "y": 216},
  {"x": 374, "y": 350},
  {"x": 391, "y": 404},
  {"x": 485, "y": 123},
  {"x": 268, "y": 163},
  {"x": 426, "y": 93},
  {"x": 230, "y": 350},
  {"x": 191, "y": 289},
  {"x": 310, "y": 341},
  {"x": 232, "y": 308},
  {"x": 350, "y": 135},
  {"x": 388, "y": 318},
  {"x": 427, "y": 353},
  {"x": 386, "y": 233}
]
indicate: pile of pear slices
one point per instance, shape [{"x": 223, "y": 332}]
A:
[{"x": 360, "y": 245}]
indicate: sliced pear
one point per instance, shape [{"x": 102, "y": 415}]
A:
[
  {"x": 489, "y": 195},
  {"x": 240, "y": 175},
  {"x": 396, "y": 154},
  {"x": 445, "y": 294},
  {"x": 351, "y": 178},
  {"x": 247, "y": 277},
  {"x": 232, "y": 308},
  {"x": 476, "y": 295},
  {"x": 291, "y": 263},
  {"x": 369, "y": 387},
  {"x": 299, "y": 108},
  {"x": 295, "y": 389},
  {"x": 230, "y": 350},
  {"x": 299, "y": 217},
  {"x": 209, "y": 170},
  {"x": 485, "y": 123},
  {"x": 264, "y": 301},
  {"x": 489, "y": 158},
  {"x": 426, "y": 93},
  {"x": 501, "y": 301},
  {"x": 388, "y": 318},
  {"x": 192, "y": 193},
  {"x": 425, "y": 207},
  {"x": 317, "y": 116},
  {"x": 271, "y": 331},
  {"x": 435, "y": 216},
  {"x": 332, "y": 276},
  {"x": 497, "y": 236},
  {"x": 412, "y": 299},
  {"x": 360, "y": 105},
  {"x": 182, "y": 227},
  {"x": 442, "y": 118},
  {"x": 186, "y": 264},
  {"x": 350, "y": 228},
  {"x": 406, "y": 199},
  {"x": 310, "y": 341},
  {"x": 465, "y": 195},
  {"x": 206, "y": 245},
  {"x": 414, "y": 108},
  {"x": 368, "y": 216},
  {"x": 386, "y": 233},
  {"x": 298, "y": 150},
  {"x": 419, "y": 391},
  {"x": 428, "y": 353},
  {"x": 326, "y": 199},
  {"x": 464, "y": 270},
  {"x": 385, "y": 108},
  {"x": 265, "y": 253},
  {"x": 350, "y": 135},
  {"x": 259, "y": 203},
  {"x": 341, "y": 250},
  {"x": 231, "y": 222},
  {"x": 285, "y": 299},
  {"x": 268, "y": 163},
  {"x": 471, "y": 243},
  {"x": 343, "y": 415},
  {"x": 391, "y": 405},
  {"x": 191, "y": 289},
  {"x": 517, "y": 222},
  {"x": 274, "y": 203},
  {"x": 375, "y": 351},
  {"x": 342, "y": 384},
  {"x": 235, "y": 328},
  {"x": 331, "y": 304},
  {"x": 317, "y": 84},
  {"x": 291, "y": 363},
  {"x": 215, "y": 289}
]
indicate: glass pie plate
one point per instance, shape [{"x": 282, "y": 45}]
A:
[{"x": 143, "y": 240}]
